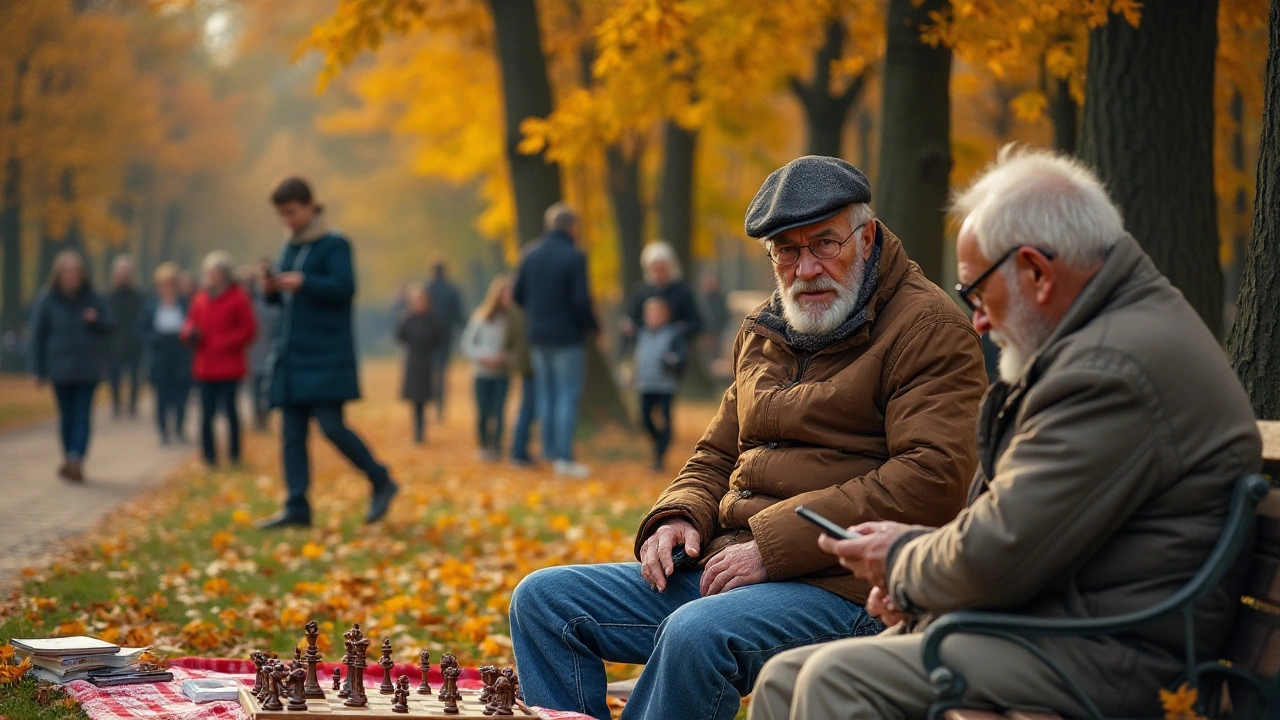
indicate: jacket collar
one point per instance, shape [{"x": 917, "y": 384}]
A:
[
  {"x": 316, "y": 230},
  {"x": 893, "y": 268},
  {"x": 558, "y": 235}
]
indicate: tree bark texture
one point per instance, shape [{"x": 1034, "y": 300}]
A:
[
  {"x": 1254, "y": 345},
  {"x": 678, "y": 151},
  {"x": 1064, "y": 113},
  {"x": 1148, "y": 129},
  {"x": 11, "y": 218},
  {"x": 526, "y": 92},
  {"x": 628, "y": 212},
  {"x": 915, "y": 135},
  {"x": 825, "y": 113}
]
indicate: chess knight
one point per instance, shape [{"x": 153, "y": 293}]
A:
[{"x": 855, "y": 391}]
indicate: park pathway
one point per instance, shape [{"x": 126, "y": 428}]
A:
[{"x": 38, "y": 510}]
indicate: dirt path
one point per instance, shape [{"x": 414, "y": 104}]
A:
[{"x": 37, "y": 509}]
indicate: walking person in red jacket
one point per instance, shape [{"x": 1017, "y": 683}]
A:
[{"x": 220, "y": 327}]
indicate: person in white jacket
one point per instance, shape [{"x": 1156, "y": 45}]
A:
[{"x": 487, "y": 343}]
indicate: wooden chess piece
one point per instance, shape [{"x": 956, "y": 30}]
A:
[
  {"x": 360, "y": 647},
  {"x": 259, "y": 659},
  {"x": 450, "y": 689},
  {"x": 348, "y": 657},
  {"x": 337, "y": 681},
  {"x": 400, "y": 701},
  {"x": 297, "y": 684},
  {"x": 275, "y": 675},
  {"x": 424, "y": 664},
  {"x": 488, "y": 674},
  {"x": 387, "y": 687},
  {"x": 504, "y": 697},
  {"x": 312, "y": 659},
  {"x": 446, "y": 660}
]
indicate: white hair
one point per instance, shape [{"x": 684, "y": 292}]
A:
[
  {"x": 122, "y": 262},
  {"x": 220, "y": 260},
  {"x": 1045, "y": 200},
  {"x": 660, "y": 251}
]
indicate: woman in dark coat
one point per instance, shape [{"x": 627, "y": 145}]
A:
[
  {"x": 168, "y": 359},
  {"x": 422, "y": 332},
  {"x": 70, "y": 340},
  {"x": 315, "y": 367},
  {"x": 662, "y": 278}
]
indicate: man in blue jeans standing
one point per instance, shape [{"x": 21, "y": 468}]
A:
[
  {"x": 855, "y": 391},
  {"x": 552, "y": 288}
]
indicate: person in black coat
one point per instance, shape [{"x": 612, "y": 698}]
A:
[
  {"x": 315, "y": 370},
  {"x": 423, "y": 332},
  {"x": 125, "y": 302},
  {"x": 70, "y": 334},
  {"x": 159, "y": 327},
  {"x": 663, "y": 279},
  {"x": 446, "y": 304}
]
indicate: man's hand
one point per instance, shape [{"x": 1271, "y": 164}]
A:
[
  {"x": 655, "y": 554},
  {"x": 738, "y": 565},
  {"x": 267, "y": 281},
  {"x": 90, "y": 315},
  {"x": 289, "y": 281},
  {"x": 865, "y": 555},
  {"x": 880, "y": 605}
]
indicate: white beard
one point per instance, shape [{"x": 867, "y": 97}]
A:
[
  {"x": 1024, "y": 332},
  {"x": 817, "y": 318}
]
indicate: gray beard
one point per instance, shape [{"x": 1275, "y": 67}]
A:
[
  {"x": 1025, "y": 331},
  {"x": 814, "y": 320}
]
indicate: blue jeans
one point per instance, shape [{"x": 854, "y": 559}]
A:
[
  {"x": 295, "y": 421},
  {"x": 219, "y": 397},
  {"x": 524, "y": 420},
  {"x": 701, "y": 655},
  {"x": 558, "y": 372},
  {"x": 75, "y": 410},
  {"x": 491, "y": 405}
]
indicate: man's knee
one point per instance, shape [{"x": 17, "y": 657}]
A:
[
  {"x": 544, "y": 595},
  {"x": 695, "y": 630}
]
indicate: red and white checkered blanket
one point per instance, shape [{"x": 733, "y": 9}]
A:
[{"x": 165, "y": 700}]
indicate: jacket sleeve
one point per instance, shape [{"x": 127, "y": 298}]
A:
[
  {"x": 581, "y": 295},
  {"x": 1078, "y": 466},
  {"x": 336, "y": 281},
  {"x": 934, "y": 384},
  {"x": 40, "y": 337},
  {"x": 520, "y": 293},
  {"x": 692, "y": 318},
  {"x": 696, "y": 492},
  {"x": 106, "y": 322},
  {"x": 469, "y": 343},
  {"x": 246, "y": 327}
]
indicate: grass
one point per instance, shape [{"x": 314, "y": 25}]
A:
[{"x": 184, "y": 569}]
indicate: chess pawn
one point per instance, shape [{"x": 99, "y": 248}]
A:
[
  {"x": 387, "y": 687},
  {"x": 424, "y": 664},
  {"x": 337, "y": 681},
  {"x": 451, "y": 674}
]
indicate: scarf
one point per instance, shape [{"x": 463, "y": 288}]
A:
[{"x": 772, "y": 317}]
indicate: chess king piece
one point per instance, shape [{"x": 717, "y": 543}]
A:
[
  {"x": 488, "y": 674},
  {"x": 276, "y": 674},
  {"x": 450, "y": 689},
  {"x": 337, "y": 681},
  {"x": 424, "y": 664},
  {"x": 297, "y": 684},
  {"x": 446, "y": 661},
  {"x": 387, "y": 687},
  {"x": 312, "y": 659},
  {"x": 360, "y": 648},
  {"x": 400, "y": 699}
]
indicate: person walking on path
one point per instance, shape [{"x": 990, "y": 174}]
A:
[
  {"x": 267, "y": 316},
  {"x": 422, "y": 332},
  {"x": 70, "y": 335},
  {"x": 552, "y": 288},
  {"x": 661, "y": 352},
  {"x": 487, "y": 344},
  {"x": 219, "y": 327},
  {"x": 315, "y": 370},
  {"x": 125, "y": 303},
  {"x": 522, "y": 365},
  {"x": 159, "y": 329},
  {"x": 446, "y": 302}
]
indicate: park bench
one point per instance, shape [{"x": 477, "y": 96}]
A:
[{"x": 1245, "y": 684}]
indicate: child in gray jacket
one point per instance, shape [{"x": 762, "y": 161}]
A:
[{"x": 659, "y": 362}]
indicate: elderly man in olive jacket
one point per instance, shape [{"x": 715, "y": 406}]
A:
[
  {"x": 1107, "y": 456},
  {"x": 854, "y": 394}
]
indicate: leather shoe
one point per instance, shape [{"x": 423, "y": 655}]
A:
[
  {"x": 283, "y": 520},
  {"x": 380, "y": 503}
]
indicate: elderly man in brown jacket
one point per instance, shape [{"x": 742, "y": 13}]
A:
[
  {"x": 1107, "y": 456},
  {"x": 854, "y": 393}
]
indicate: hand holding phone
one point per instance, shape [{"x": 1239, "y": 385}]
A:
[{"x": 824, "y": 524}]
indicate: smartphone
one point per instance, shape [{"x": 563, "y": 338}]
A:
[
  {"x": 826, "y": 525},
  {"x": 680, "y": 560}
]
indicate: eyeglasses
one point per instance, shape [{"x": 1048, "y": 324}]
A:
[
  {"x": 824, "y": 249},
  {"x": 970, "y": 293}
]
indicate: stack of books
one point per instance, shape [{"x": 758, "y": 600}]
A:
[{"x": 61, "y": 660}]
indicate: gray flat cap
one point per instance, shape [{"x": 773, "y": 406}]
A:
[{"x": 806, "y": 190}]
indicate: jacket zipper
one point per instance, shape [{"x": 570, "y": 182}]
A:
[{"x": 803, "y": 367}]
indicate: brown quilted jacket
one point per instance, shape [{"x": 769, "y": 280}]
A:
[{"x": 877, "y": 427}]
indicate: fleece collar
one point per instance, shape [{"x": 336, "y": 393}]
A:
[{"x": 316, "y": 230}]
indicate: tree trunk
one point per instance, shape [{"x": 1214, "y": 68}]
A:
[
  {"x": 628, "y": 211},
  {"x": 678, "y": 150},
  {"x": 1239, "y": 206},
  {"x": 1254, "y": 345},
  {"x": 526, "y": 92},
  {"x": 1148, "y": 129},
  {"x": 11, "y": 237},
  {"x": 1065, "y": 115},
  {"x": 915, "y": 135},
  {"x": 825, "y": 113},
  {"x": 866, "y": 123}
]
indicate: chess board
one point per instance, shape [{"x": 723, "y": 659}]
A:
[{"x": 379, "y": 707}]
